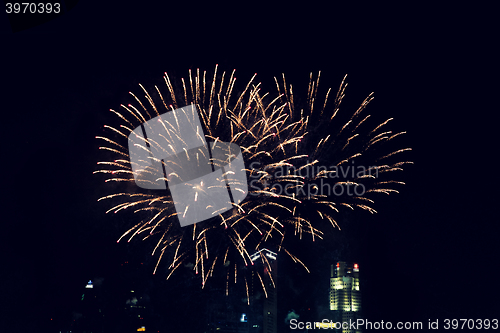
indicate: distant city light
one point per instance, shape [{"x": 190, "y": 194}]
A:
[
  {"x": 243, "y": 318},
  {"x": 89, "y": 285}
]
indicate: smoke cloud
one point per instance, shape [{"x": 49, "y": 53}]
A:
[{"x": 291, "y": 315}]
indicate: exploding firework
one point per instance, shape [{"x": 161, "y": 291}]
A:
[{"x": 302, "y": 165}]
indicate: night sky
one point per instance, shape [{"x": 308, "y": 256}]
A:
[{"x": 430, "y": 252}]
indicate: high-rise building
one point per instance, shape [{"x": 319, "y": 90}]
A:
[
  {"x": 270, "y": 278},
  {"x": 345, "y": 294},
  {"x": 259, "y": 313},
  {"x": 89, "y": 316}
]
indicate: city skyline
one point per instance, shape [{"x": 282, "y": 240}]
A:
[
  {"x": 61, "y": 78},
  {"x": 133, "y": 306}
]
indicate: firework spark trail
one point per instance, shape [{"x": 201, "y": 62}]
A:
[{"x": 279, "y": 139}]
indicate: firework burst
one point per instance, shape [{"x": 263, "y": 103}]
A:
[{"x": 302, "y": 166}]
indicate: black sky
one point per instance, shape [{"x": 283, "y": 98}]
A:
[{"x": 430, "y": 252}]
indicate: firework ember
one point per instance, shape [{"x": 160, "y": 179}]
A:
[{"x": 302, "y": 166}]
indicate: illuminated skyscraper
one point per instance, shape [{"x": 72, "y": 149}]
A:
[{"x": 345, "y": 295}]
